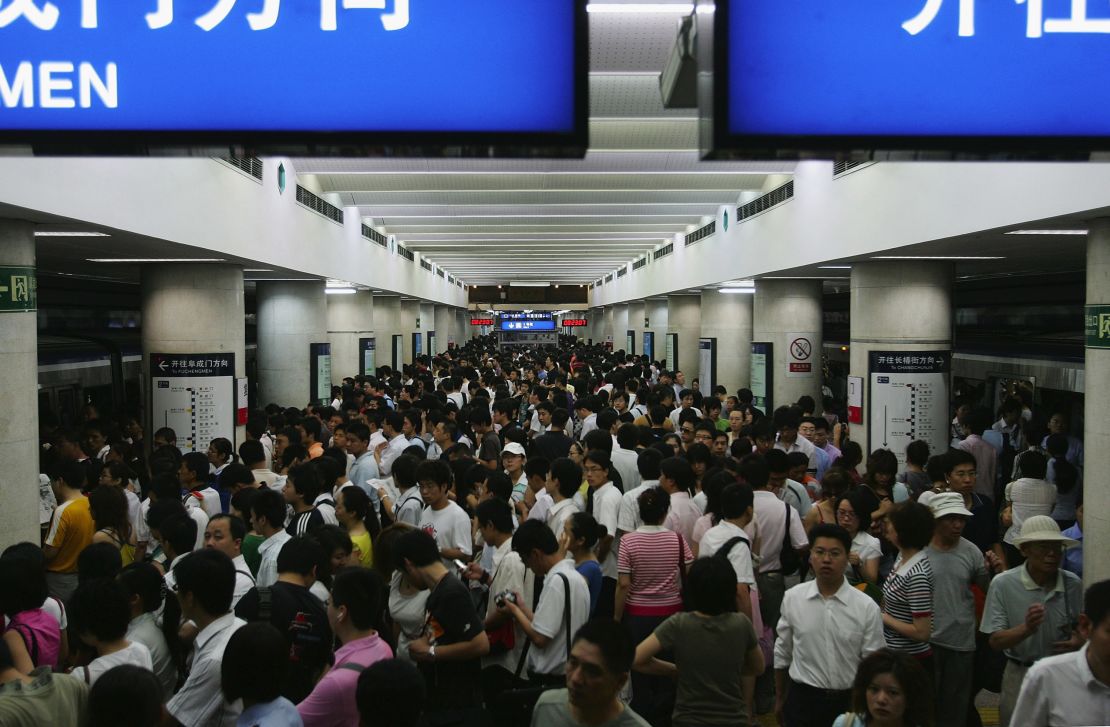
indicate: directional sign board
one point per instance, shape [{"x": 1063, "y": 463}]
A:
[
  {"x": 17, "y": 289},
  {"x": 195, "y": 396},
  {"x": 908, "y": 399}
]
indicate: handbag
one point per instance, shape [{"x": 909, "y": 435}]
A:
[
  {"x": 788, "y": 557},
  {"x": 514, "y": 707}
]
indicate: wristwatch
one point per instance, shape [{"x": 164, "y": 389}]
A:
[{"x": 432, "y": 652}]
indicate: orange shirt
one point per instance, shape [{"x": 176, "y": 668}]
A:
[{"x": 71, "y": 531}]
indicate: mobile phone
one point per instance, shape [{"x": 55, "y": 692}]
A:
[{"x": 460, "y": 564}]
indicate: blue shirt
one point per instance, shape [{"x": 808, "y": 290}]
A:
[
  {"x": 278, "y": 713},
  {"x": 1073, "y": 557},
  {"x": 365, "y": 468},
  {"x": 591, "y": 571}
]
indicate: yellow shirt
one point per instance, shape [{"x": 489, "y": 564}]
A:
[
  {"x": 71, "y": 531},
  {"x": 364, "y": 549}
]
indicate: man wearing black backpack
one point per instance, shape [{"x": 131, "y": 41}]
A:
[
  {"x": 296, "y": 613},
  {"x": 783, "y": 540}
]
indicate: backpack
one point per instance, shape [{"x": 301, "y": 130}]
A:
[{"x": 789, "y": 559}]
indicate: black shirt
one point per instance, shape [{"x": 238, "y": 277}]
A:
[
  {"x": 303, "y": 620},
  {"x": 452, "y": 619}
]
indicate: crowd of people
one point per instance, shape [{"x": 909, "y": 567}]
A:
[{"x": 554, "y": 538}]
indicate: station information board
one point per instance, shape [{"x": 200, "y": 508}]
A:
[
  {"x": 483, "y": 321},
  {"x": 244, "y": 70},
  {"x": 575, "y": 323},
  {"x": 908, "y": 399},
  {"x": 195, "y": 395},
  {"x": 916, "y": 74},
  {"x": 526, "y": 322}
]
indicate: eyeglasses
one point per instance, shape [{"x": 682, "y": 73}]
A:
[
  {"x": 687, "y": 431},
  {"x": 845, "y": 513},
  {"x": 591, "y": 469}
]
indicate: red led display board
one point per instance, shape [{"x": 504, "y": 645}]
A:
[
  {"x": 574, "y": 322},
  {"x": 482, "y": 321}
]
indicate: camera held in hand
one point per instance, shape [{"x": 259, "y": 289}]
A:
[{"x": 504, "y": 597}]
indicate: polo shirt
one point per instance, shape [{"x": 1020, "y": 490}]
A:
[
  {"x": 821, "y": 641},
  {"x": 954, "y": 571},
  {"x": 1030, "y": 497},
  {"x": 558, "y": 515},
  {"x": 362, "y": 471},
  {"x": 1060, "y": 691},
  {"x": 70, "y": 532},
  {"x": 267, "y": 567},
  {"x": 1010, "y": 596},
  {"x": 628, "y": 518},
  {"x": 607, "y": 505},
  {"x": 770, "y": 522},
  {"x": 740, "y": 556},
  {"x": 550, "y": 620},
  {"x": 200, "y": 702},
  {"x": 332, "y": 702},
  {"x": 50, "y": 699}
]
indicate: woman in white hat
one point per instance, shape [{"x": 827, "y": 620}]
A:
[{"x": 1032, "y": 610}]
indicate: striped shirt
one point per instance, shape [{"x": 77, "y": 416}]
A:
[
  {"x": 908, "y": 594},
  {"x": 650, "y": 556}
]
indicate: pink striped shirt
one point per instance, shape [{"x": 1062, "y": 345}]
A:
[{"x": 650, "y": 556}]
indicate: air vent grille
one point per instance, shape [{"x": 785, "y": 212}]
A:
[
  {"x": 426, "y": 265},
  {"x": 663, "y": 251},
  {"x": 701, "y": 234},
  {"x": 842, "y": 168},
  {"x": 772, "y": 199},
  {"x": 441, "y": 274},
  {"x": 371, "y": 234},
  {"x": 247, "y": 165},
  {"x": 608, "y": 278},
  {"x": 406, "y": 254},
  {"x": 621, "y": 272},
  {"x": 319, "y": 205},
  {"x": 639, "y": 263}
]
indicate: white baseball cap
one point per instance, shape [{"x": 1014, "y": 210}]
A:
[
  {"x": 514, "y": 448},
  {"x": 948, "y": 503}
]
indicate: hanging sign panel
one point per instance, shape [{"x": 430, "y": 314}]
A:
[
  {"x": 367, "y": 361},
  {"x": 707, "y": 364},
  {"x": 319, "y": 355},
  {"x": 762, "y": 375},
  {"x": 195, "y": 396},
  {"x": 917, "y": 74},
  {"x": 649, "y": 345},
  {"x": 855, "y": 400},
  {"x": 801, "y": 355},
  {"x": 908, "y": 399},
  {"x": 419, "y": 71}
]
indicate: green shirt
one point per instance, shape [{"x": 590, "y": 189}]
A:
[
  {"x": 553, "y": 710},
  {"x": 249, "y": 550},
  {"x": 709, "y": 652},
  {"x": 58, "y": 700}
]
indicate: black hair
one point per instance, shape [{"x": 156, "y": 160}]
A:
[
  {"x": 300, "y": 555},
  {"x": 24, "y": 584},
  {"x": 679, "y": 470},
  {"x": 179, "y": 532},
  {"x": 126, "y": 696},
  {"x": 356, "y": 501},
  {"x": 404, "y": 471},
  {"x": 863, "y": 502},
  {"x": 235, "y": 525},
  {"x": 241, "y": 501},
  {"x": 917, "y": 453},
  {"x": 417, "y": 547},
  {"x": 835, "y": 532},
  {"x": 914, "y": 524},
  {"x": 391, "y": 692},
  {"x": 98, "y": 560},
  {"x": 955, "y": 458},
  {"x": 209, "y": 576},
  {"x": 537, "y": 467},
  {"x": 613, "y": 641},
  {"x": 436, "y": 471},
  {"x": 599, "y": 440},
  {"x": 653, "y": 504},
  {"x": 499, "y": 485},
  {"x": 534, "y": 535},
  {"x": 584, "y": 526},
  {"x": 735, "y": 500},
  {"x": 254, "y": 665},
  {"x": 360, "y": 590},
  {"x": 568, "y": 475},
  {"x": 236, "y": 474},
  {"x": 270, "y": 505},
  {"x": 778, "y": 461},
  {"x": 934, "y": 467},
  {"x": 305, "y": 481},
  {"x": 197, "y": 463},
  {"x": 252, "y": 452},
  {"x": 143, "y": 580},
  {"x": 786, "y": 417},
  {"x": 100, "y": 607},
  {"x": 647, "y": 463},
  {"x": 711, "y": 586},
  {"x": 913, "y": 679},
  {"x": 495, "y": 512},
  {"x": 755, "y": 471}
]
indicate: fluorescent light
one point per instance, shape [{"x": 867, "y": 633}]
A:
[
  {"x": 340, "y": 291},
  {"x": 640, "y": 8},
  {"x": 257, "y": 270},
  {"x": 1047, "y": 232},
  {"x": 936, "y": 257},
  {"x": 734, "y": 291},
  {"x": 834, "y": 267},
  {"x": 521, "y": 284},
  {"x": 57, "y": 233},
  {"x": 281, "y": 280},
  {"x": 154, "y": 260}
]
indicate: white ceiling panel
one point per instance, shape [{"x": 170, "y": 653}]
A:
[
  {"x": 598, "y": 195},
  {"x": 631, "y": 43}
]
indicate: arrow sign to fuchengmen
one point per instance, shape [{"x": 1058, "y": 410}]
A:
[{"x": 801, "y": 348}]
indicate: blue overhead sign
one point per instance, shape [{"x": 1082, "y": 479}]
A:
[
  {"x": 432, "y": 67},
  {"x": 981, "y": 70}
]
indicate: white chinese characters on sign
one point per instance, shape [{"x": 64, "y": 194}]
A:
[
  {"x": 44, "y": 15},
  {"x": 1035, "y": 27}
]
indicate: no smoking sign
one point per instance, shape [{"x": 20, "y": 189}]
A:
[{"x": 800, "y": 354}]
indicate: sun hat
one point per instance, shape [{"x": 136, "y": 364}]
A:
[
  {"x": 513, "y": 448},
  {"x": 1040, "y": 529},
  {"x": 948, "y": 503}
]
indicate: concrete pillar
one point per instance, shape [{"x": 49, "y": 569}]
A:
[
  {"x": 427, "y": 325},
  {"x": 462, "y": 326},
  {"x": 620, "y": 327},
  {"x": 901, "y": 307},
  {"x": 783, "y": 312},
  {"x": 655, "y": 311},
  {"x": 444, "y": 322},
  {"x": 387, "y": 324},
  {"x": 684, "y": 318},
  {"x": 636, "y": 324},
  {"x": 19, "y": 427},
  {"x": 1096, "y": 510},
  {"x": 194, "y": 309},
  {"x": 350, "y": 318},
  {"x": 291, "y": 317},
  {"x": 410, "y": 313},
  {"x": 608, "y": 332},
  {"x": 728, "y": 318}
]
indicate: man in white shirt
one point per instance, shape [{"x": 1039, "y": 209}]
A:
[
  {"x": 384, "y": 454},
  {"x": 625, "y": 455},
  {"x": 268, "y": 520},
  {"x": 736, "y": 513},
  {"x": 193, "y": 478},
  {"x": 786, "y": 422},
  {"x": 1073, "y": 688},
  {"x": 365, "y": 468},
  {"x": 442, "y": 518},
  {"x": 563, "y": 481},
  {"x": 647, "y": 465},
  {"x": 789, "y": 491},
  {"x": 254, "y": 457},
  {"x": 827, "y": 628},
  {"x": 551, "y": 627},
  {"x": 205, "y": 586},
  {"x": 606, "y": 510},
  {"x": 225, "y": 533},
  {"x": 584, "y": 408}
]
